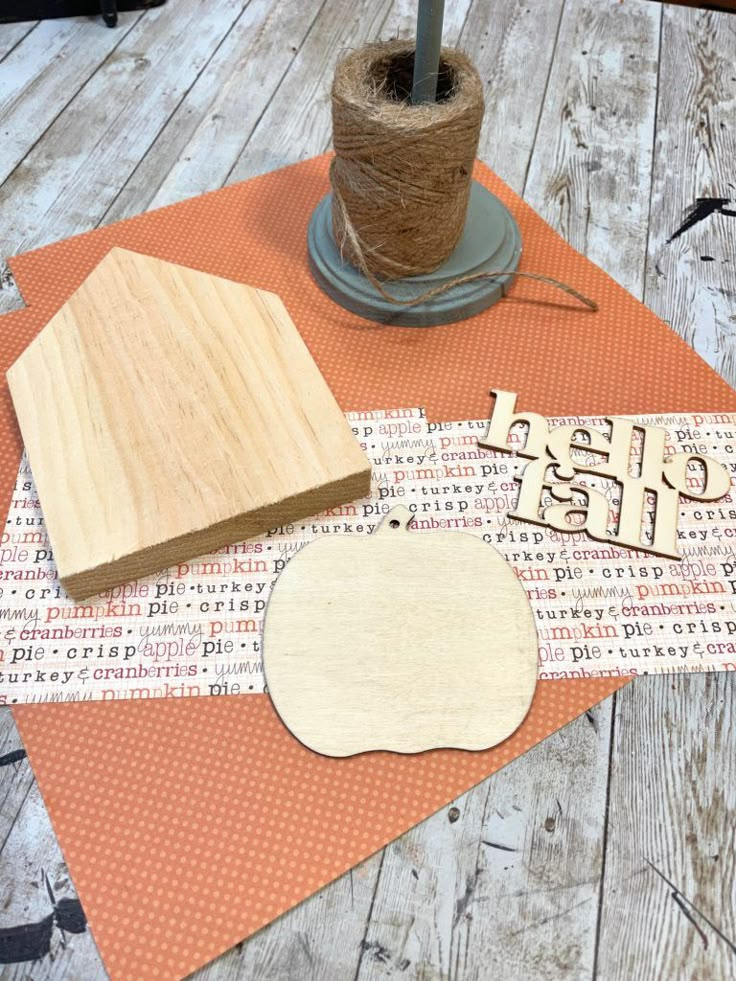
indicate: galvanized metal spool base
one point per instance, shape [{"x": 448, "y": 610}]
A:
[{"x": 491, "y": 242}]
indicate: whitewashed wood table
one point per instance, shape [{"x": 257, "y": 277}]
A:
[{"x": 608, "y": 851}]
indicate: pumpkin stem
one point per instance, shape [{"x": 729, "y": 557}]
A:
[{"x": 397, "y": 519}]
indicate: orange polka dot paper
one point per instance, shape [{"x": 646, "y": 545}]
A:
[{"x": 187, "y": 824}]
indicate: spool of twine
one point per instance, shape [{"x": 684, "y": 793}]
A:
[{"x": 402, "y": 173}]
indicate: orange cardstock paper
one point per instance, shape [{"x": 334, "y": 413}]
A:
[{"x": 205, "y": 813}]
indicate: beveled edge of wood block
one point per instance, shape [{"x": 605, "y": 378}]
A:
[{"x": 137, "y": 565}]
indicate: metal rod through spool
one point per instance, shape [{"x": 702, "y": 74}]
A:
[{"x": 427, "y": 56}]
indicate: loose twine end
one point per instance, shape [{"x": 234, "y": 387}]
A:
[{"x": 357, "y": 256}]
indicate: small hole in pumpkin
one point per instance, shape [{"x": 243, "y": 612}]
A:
[{"x": 394, "y": 523}]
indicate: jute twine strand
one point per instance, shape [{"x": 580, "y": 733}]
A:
[{"x": 401, "y": 174}]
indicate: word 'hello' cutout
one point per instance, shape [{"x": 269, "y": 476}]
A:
[{"x": 650, "y": 480}]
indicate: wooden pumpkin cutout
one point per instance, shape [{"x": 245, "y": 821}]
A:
[{"x": 399, "y": 641}]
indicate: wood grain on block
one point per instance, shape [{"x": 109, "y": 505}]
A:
[
  {"x": 167, "y": 413},
  {"x": 400, "y": 641}
]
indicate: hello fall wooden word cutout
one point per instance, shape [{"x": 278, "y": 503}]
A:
[
  {"x": 399, "y": 641},
  {"x": 649, "y": 480}
]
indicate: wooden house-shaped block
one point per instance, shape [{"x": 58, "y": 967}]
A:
[{"x": 166, "y": 413}]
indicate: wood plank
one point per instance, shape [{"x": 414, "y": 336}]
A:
[
  {"x": 28, "y": 846},
  {"x": 71, "y": 176},
  {"x": 590, "y": 173},
  {"x": 319, "y": 940},
  {"x": 672, "y": 788},
  {"x": 426, "y": 885},
  {"x": 200, "y": 144},
  {"x": 32, "y": 853},
  {"x": 196, "y": 149},
  {"x": 43, "y": 73},
  {"x": 503, "y": 882},
  {"x": 16, "y": 779},
  {"x": 499, "y": 37},
  {"x": 401, "y": 21},
  {"x": 297, "y": 122},
  {"x": 40, "y": 47},
  {"x": 672, "y": 809},
  {"x": 691, "y": 280},
  {"x": 12, "y": 34},
  {"x": 203, "y": 378}
]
